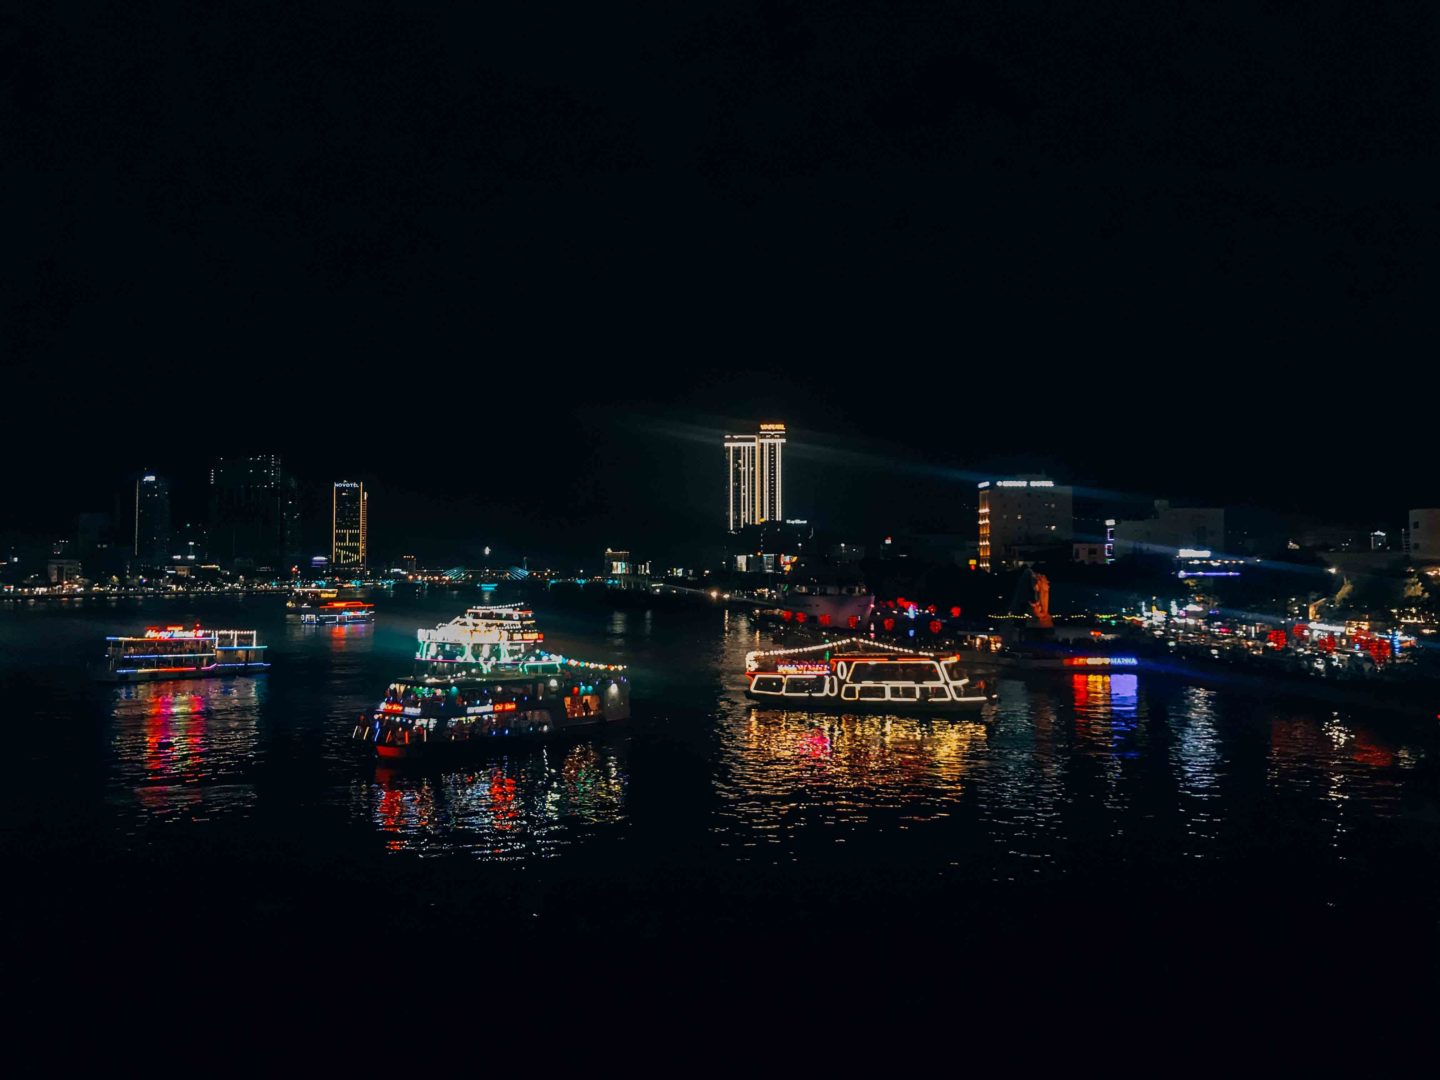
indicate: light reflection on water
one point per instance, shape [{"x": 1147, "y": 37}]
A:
[
  {"x": 1084, "y": 761},
  {"x": 182, "y": 749},
  {"x": 1059, "y": 765},
  {"x": 504, "y": 810}
]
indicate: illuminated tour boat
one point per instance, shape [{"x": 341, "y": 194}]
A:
[
  {"x": 484, "y": 678},
  {"x": 338, "y": 613},
  {"x": 178, "y": 652},
  {"x": 842, "y": 676}
]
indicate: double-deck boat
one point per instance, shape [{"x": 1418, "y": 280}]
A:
[
  {"x": 178, "y": 652},
  {"x": 857, "y": 675},
  {"x": 338, "y": 613},
  {"x": 483, "y": 678}
]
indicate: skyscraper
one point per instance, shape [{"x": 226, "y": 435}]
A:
[
  {"x": 754, "y": 477},
  {"x": 254, "y": 512},
  {"x": 349, "y": 524},
  {"x": 151, "y": 519}
]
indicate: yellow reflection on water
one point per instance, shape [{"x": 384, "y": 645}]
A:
[{"x": 784, "y": 770}]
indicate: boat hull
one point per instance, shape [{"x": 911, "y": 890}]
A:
[
  {"x": 833, "y": 704},
  {"x": 172, "y": 676}
]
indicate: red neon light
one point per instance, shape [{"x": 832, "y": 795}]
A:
[{"x": 505, "y": 706}]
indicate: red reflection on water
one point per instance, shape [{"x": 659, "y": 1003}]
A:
[
  {"x": 174, "y": 732},
  {"x": 1368, "y": 752},
  {"x": 502, "y": 799},
  {"x": 816, "y": 744},
  {"x": 390, "y": 811}
]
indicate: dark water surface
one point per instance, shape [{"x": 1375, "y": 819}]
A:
[{"x": 1086, "y": 830}]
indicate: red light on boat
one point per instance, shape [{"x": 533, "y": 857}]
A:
[{"x": 505, "y": 706}]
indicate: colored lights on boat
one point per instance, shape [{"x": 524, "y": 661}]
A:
[{"x": 1101, "y": 661}]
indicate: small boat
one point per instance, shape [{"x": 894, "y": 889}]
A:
[
  {"x": 858, "y": 675},
  {"x": 338, "y": 613},
  {"x": 482, "y": 680},
  {"x": 178, "y": 652}
]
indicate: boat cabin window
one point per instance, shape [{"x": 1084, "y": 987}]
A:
[
  {"x": 768, "y": 684},
  {"x": 804, "y": 684},
  {"x": 917, "y": 672},
  {"x": 905, "y": 693},
  {"x": 872, "y": 693}
]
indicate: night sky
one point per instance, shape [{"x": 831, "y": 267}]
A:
[{"x": 520, "y": 269}]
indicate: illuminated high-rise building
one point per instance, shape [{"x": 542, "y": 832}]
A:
[
  {"x": 151, "y": 520},
  {"x": 754, "y": 477},
  {"x": 1022, "y": 517},
  {"x": 349, "y": 524}
]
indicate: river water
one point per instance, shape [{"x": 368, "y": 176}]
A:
[{"x": 1082, "y": 820}]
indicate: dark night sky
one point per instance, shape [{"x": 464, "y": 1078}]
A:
[{"x": 521, "y": 267}]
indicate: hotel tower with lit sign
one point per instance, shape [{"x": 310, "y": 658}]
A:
[
  {"x": 754, "y": 477},
  {"x": 1020, "y": 517},
  {"x": 349, "y": 524}
]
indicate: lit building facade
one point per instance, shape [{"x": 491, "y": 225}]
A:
[
  {"x": 151, "y": 519},
  {"x": 349, "y": 524},
  {"x": 1171, "y": 530},
  {"x": 1021, "y": 517},
  {"x": 1423, "y": 535},
  {"x": 755, "y": 477}
]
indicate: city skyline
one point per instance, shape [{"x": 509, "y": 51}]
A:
[
  {"x": 826, "y": 479},
  {"x": 958, "y": 463}
]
